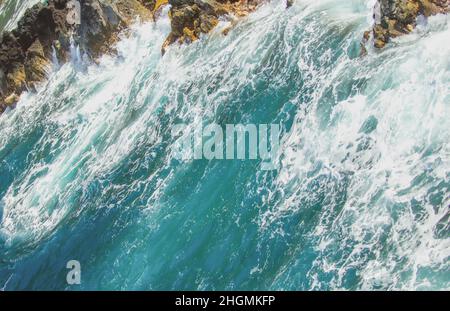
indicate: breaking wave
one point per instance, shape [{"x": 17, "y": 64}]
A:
[{"x": 361, "y": 199}]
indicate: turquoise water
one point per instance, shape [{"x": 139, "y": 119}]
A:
[{"x": 361, "y": 199}]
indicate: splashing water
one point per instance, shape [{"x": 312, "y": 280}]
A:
[
  {"x": 361, "y": 200},
  {"x": 12, "y": 10}
]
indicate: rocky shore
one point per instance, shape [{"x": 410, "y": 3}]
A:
[
  {"x": 47, "y": 31},
  {"x": 394, "y": 18},
  {"x": 191, "y": 18}
]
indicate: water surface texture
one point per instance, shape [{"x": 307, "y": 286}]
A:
[{"x": 360, "y": 201}]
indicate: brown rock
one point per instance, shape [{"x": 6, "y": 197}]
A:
[
  {"x": 398, "y": 17},
  {"x": 154, "y": 6},
  {"x": 130, "y": 10},
  {"x": 36, "y": 64},
  {"x": 25, "y": 53},
  {"x": 191, "y": 18},
  {"x": 16, "y": 79},
  {"x": 11, "y": 99}
]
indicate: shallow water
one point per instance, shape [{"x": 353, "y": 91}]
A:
[{"x": 361, "y": 199}]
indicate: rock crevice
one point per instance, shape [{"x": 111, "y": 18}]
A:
[
  {"x": 394, "y": 18},
  {"x": 47, "y": 31},
  {"x": 191, "y": 18}
]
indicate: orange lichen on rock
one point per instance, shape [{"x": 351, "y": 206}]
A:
[
  {"x": 399, "y": 17},
  {"x": 191, "y": 18}
]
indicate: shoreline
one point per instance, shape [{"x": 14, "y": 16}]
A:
[{"x": 48, "y": 32}]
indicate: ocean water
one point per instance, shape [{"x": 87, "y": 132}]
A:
[{"x": 360, "y": 200}]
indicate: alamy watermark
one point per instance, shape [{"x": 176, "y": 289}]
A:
[
  {"x": 229, "y": 142},
  {"x": 73, "y": 277}
]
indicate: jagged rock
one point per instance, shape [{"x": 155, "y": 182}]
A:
[
  {"x": 154, "y": 6},
  {"x": 365, "y": 40},
  {"x": 130, "y": 10},
  {"x": 99, "y": 27},
  {"x": 191, "y": 18},
  {"x": 11, "y": 99},
  {"x": 25, "y": 53},
  {"x": 16, "y": 79},
  {"x": 36, "y": 64},
  {"x": 394, "y": 18}
]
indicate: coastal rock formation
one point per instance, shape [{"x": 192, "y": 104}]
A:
[
  {"x": 48, "y": 30},
  {"x": 36, "y": 64},
  {"x": 23, "y": 50},
  {"x": 154, "y": 6},
  {"x": 394, "y": 18},
  {"x": 191, "y": 18}
]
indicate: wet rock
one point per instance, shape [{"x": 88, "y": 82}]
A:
[
  {"x": 191, "y": 18},
  {"x": 36, "y": 64},
  {"x": 11, "y": 100},
  {"x": 99, "y": 27},
  {"x": 16, "y": 79},
  {"x": 154, "y": 6},
  {"x": 129, "y": 11},
  {"x": 51, "y": 27},
  {"x": 24, "y": 52},
  {"x": 394, "y": 18}
]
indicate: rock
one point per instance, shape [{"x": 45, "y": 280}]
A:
[
  {"x": 191, "y": 18},
  {"x": 3, "y": 84},
  {"x": 99, "y": 28},
  {"x": 149, "y": 4},
  {"x": 16, "y": 79},
  {"x": 366, "y": 38},
  {"x": 36, "y": 64},
  {"x": 11, "y": 53},
  {"x": 131, "y": 10},
  {"x": 94, "y": 25},
  {"x": 227, "y": 30},
  {"x": 25, "y": 52},
  {"x": 11, "y": 99},
  {"x": 154, "y": 6},
  {"x": 394, "y": 18}
]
